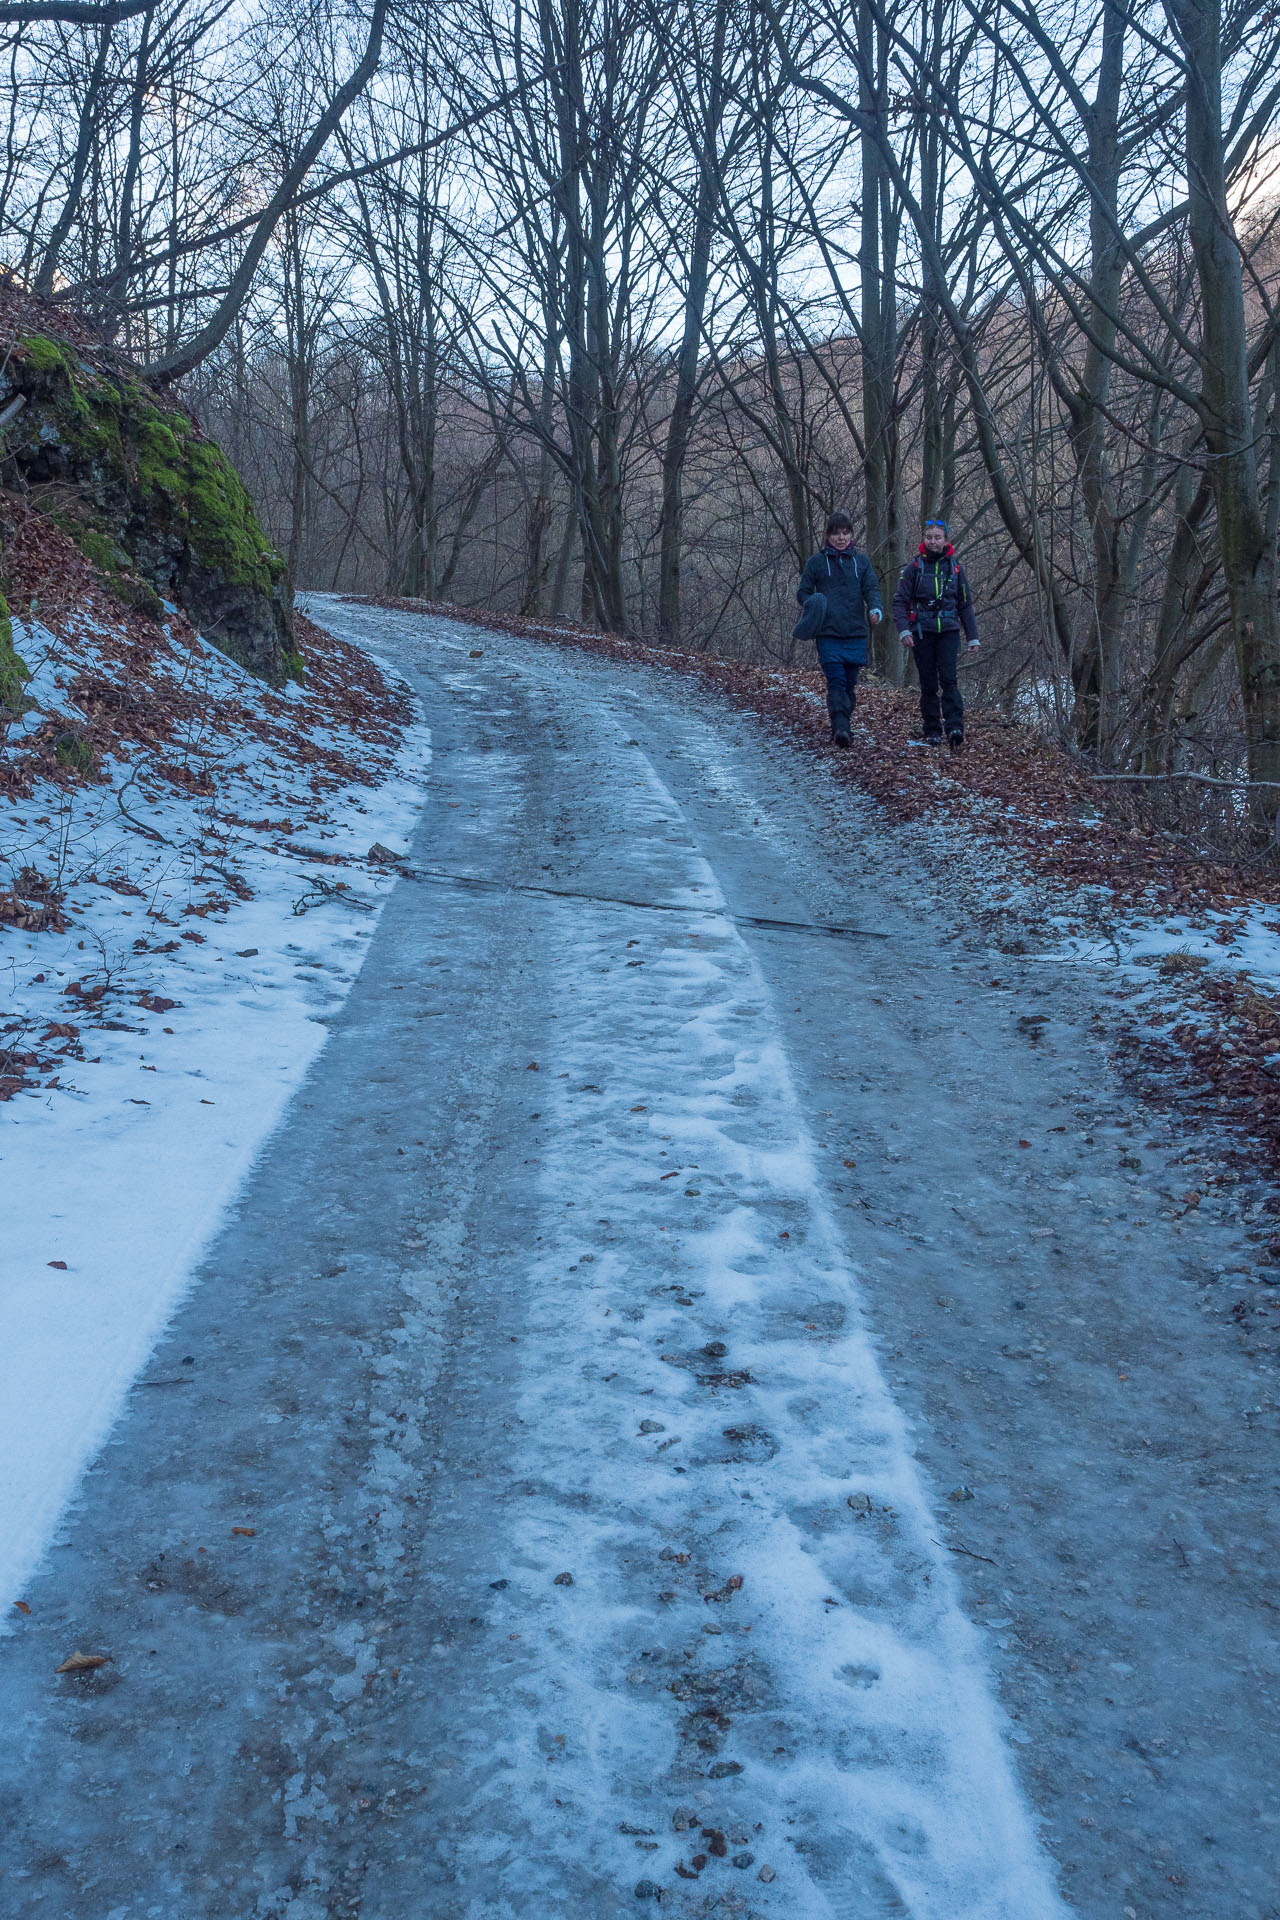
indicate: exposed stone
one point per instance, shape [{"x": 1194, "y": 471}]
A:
[{"x": 152, "y": 503}]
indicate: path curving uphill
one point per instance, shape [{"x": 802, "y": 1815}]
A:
[{"x": 650, "y": 1434}]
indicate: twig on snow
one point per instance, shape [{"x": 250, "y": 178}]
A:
[
  {"x": 968, "y": 1550},
  {"x": 321, "y": 890}
]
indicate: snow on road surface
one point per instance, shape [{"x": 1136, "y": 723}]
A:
[
  {"x": 538, "y": 1529},
  {"x": 114, "y": 1173},
  {"x": 697, "y": 1379}
]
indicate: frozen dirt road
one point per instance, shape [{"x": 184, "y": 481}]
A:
[{"x": 649, "y": 1434}]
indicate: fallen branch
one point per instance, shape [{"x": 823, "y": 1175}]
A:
[
  {"x": 152, "y": 833},
  {"x": 321, "y": 891},
  {"x": 1202, "y": 779}
]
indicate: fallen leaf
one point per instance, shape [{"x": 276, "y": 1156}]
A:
[
  {"x": 563, "y": 1580},
  {"x": 22, "y": 1606},
  {"x": 83, "y": 1662},
  {"x": 246, "y": 1531},
  {"x": 851, "y": 1163},
  {"x": 61, "y": 1265},
  {"x": 532, "y": 1067},
  {"x": 1024, "y": 1143}
]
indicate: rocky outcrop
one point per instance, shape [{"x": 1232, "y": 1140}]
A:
[{"x": 155, "y": 505}]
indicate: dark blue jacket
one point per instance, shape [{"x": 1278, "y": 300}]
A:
[
  {"x": 933, "y": 595},
  {"x": 849, "y": 581}
]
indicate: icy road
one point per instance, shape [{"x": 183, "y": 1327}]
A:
[{"x": 691, "y": 1410}]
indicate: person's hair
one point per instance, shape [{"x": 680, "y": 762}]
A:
[{"x": 838, "y": 523}]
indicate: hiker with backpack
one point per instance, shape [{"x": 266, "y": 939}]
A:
[
  {"x": 932, "y": 606},
  {"x": 839, "y": 598}
]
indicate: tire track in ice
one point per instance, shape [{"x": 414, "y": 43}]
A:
[{"x": 761, "y": 1659}]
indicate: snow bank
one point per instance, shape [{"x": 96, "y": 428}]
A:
[{"x": 211, "y": 904}]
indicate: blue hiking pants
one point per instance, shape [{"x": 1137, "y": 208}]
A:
[{"x": 842, "y": 661}]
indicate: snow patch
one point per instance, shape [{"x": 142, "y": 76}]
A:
[{"x": 116, "y": 1169}]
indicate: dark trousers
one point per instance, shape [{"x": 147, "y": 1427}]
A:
[
  {"x": 936, "y": 658},
  {"x": 842, "y": 680}
]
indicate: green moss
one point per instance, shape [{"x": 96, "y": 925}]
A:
[
  {"x": 73, "y": 753},
  {"x": 162, "y": 451},
  {"x": 113, "y": 563},
  {"x": 86, "y": 408},
  {"x": 200, "y": 483},
  {"x": 14, "y": 673},
  {"x": 225, "y": 531},
  {"x": 95, "y": 546},
  {"x": 154, "y": 506},
  {"x": 44, "y": 355},
  {"x": 295, "y": 668}
]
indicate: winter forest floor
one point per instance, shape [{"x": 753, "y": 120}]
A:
[{"x": 519, "y": 1517}]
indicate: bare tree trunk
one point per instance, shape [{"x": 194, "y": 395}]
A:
[
  {"x": 1096, "y": 661},
  {"x": 90, "y": 112},
  {"x": 680, "y": 425},
  {"x": 1248, "y": 562},
  {"x": 112, "y": 302},
  {"x": 877, "y": 250}
]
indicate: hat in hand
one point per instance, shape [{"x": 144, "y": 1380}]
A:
[{"x": 812, "y": 615}]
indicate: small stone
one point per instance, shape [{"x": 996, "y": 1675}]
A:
[
  {"x": 766, "y": 1874},
  {"x": 717, "y": 1845},
  {"x": 725, "y": 1769},
  {"x": 652, "y": 1426},
  {"x": 648, "y": 1890},
  {"x": 860, "y": 1502},
  {"x": 683, "y": 1818},
  {"x": 715, "y": 1350},
  {"x": 499, "y": 1586},
  {"x": 744, "y": 1859},
  {"x": 563, "y": 1580},
  {"x": 960, "y": 1493}
]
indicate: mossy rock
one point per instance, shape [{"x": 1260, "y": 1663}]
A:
[
  {"x": 158, "y": 509},
  {"x": 14, "y": 673},
  {"x": 113, "y": 563}
]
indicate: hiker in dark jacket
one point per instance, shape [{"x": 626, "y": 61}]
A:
[
  {"x": 932, "y": 606},
  {"x": 839, "y": 597}
]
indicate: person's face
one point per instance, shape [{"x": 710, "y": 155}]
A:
[
  {"x": 841, "y": 540},
  {"x": 935, "y": 539}
]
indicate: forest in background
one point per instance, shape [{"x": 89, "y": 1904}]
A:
[{"x": 594, "y": 308}]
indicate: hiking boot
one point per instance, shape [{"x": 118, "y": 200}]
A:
[
  {"x": 843, "y": 741},
  {"x": 955, "y": 741},
  {"x": 931, "y": 739}
]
